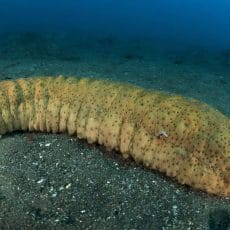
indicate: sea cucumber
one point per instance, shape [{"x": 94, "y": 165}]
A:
[{"x": 128, "y": 119}]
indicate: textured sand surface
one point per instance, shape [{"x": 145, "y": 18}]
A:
[{"x": 184, "y": 138}]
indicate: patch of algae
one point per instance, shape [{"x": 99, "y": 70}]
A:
[{"x": 195, "y": 147}]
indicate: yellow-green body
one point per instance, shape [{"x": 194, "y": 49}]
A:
[{"x": 181, "y": 137}]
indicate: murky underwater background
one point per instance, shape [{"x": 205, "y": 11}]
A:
[{"x": 59, "y": 182}]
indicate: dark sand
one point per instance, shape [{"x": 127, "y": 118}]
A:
[{"x": 58, "y": 182}]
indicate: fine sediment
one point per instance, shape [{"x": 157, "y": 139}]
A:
[{"x": 183, "y": 138}]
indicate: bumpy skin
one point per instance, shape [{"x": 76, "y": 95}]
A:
[{"x": 196, "y": 149}]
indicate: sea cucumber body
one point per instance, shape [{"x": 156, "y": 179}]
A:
[{"x": 196, "y": 149}]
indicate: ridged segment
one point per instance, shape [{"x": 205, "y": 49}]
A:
[
  {"x": 8, "y": 108},
  {"x": 27, "y": 108}
]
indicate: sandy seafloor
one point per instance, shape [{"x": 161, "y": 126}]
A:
[{"x": 58, "y": 182}]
